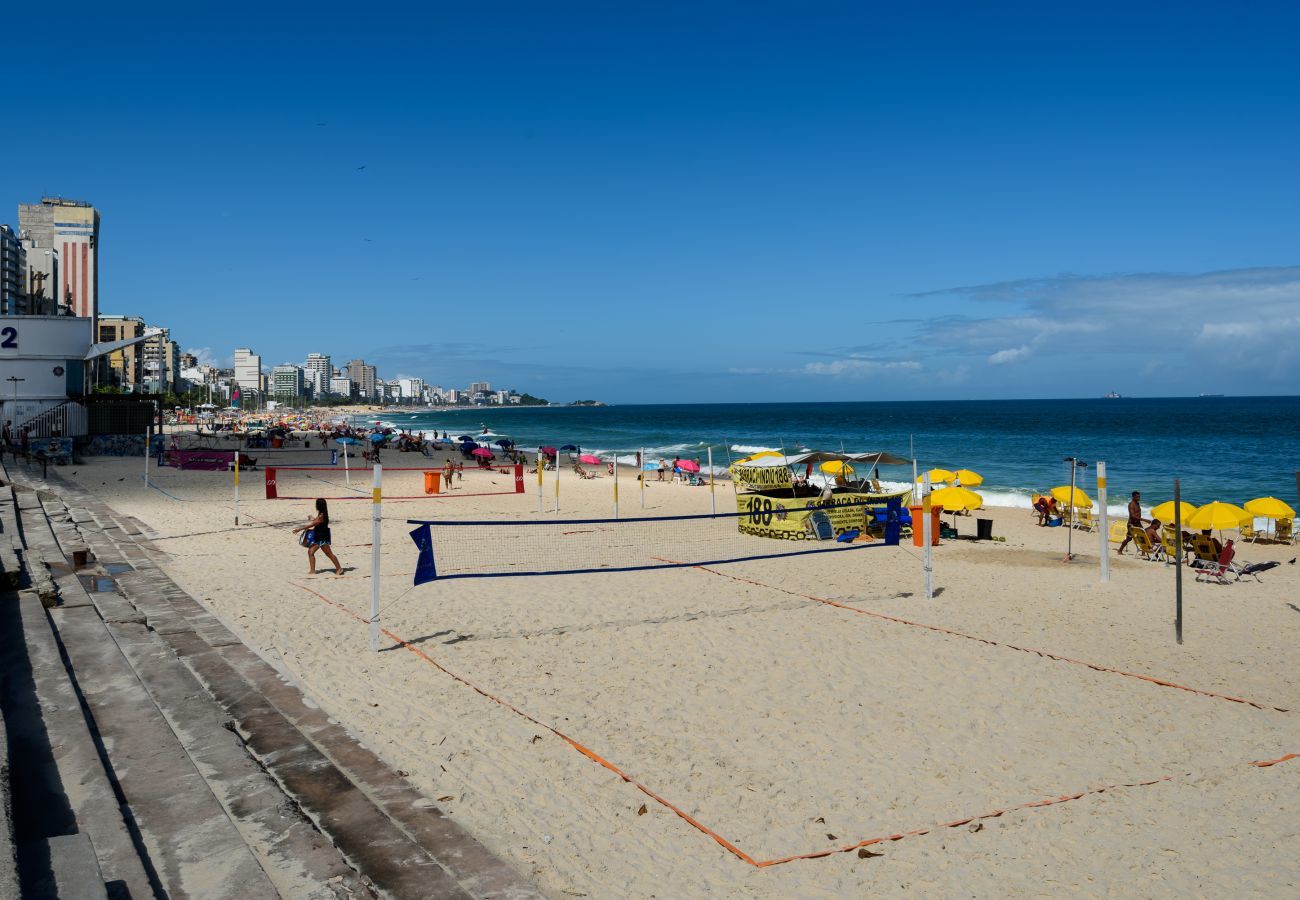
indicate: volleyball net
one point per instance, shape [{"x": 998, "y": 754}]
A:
[
  {"x": 516, "y": 548},
  {"x": 400, "y": 483}
]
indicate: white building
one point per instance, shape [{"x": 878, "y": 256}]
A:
[
  {"x": 248, "y": 369},
  {"x": 341, "y": 386}
]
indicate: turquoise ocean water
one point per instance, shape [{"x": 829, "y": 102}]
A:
[{"x": 1222, "y": 448}]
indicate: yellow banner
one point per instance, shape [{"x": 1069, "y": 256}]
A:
[{"x": 761, "y": 478}]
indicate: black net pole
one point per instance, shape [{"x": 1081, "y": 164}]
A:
[{"x": 1178, "y": 563}]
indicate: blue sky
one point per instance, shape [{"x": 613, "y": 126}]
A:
[{"x": 690, "y": 201}]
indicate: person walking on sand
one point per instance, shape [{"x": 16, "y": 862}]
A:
[
  {"x": 448, "y": 471},
  {"x": 1134, "y": 518},
  {"x": 319, "y": 537}
]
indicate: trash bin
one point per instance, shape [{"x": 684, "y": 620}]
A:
[
  {"x": 983, "y": 529},
  {"x": 431, "y": 479},
  {"x": 918, "y": 529},
  {"x": 277, "y": 442}
]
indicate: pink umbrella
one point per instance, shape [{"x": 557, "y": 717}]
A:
[
  {"x": 589, "y": 459},
  {"x": 548, "y": 451},
  {"x": 483, "y": 451},
  {"x": 687, "y": 465}
]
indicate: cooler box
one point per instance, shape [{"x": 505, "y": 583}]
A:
[{"x": 918, "y": 529}]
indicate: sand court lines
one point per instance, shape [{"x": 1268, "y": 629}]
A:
[{"x": 878, "y": 743}]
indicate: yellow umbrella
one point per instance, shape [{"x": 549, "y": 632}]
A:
[
  {"x": 1062, "y": 495},
  {"x": 969, "y": 478},
  {"x": 1165, "y": 511},
  {"x": 1270, "y": 508},
  {"x": 937, "y": 475},
  {"x": 1217, "y": 515},
  {"x": 956, "y": 498},
  {"x": 835, "y": 466}
]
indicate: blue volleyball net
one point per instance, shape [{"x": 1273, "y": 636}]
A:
[{"x": 504, "y": 548}]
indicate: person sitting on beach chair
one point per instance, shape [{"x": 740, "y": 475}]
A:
[
  {"x": 1205, "y": 549},
  {"x": 1153, "y": 533},
  {"x": 1142, "y": 541}
]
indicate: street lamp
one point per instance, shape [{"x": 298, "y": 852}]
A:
[{"x": 1075, "y": 465}]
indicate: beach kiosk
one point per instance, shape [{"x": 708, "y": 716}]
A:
[{"x": 778, "y": 494}]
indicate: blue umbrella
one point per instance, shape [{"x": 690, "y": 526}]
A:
[
  {"x": 505, "y": 443},
  {"x": 377, "y": 438},
  {"x": 570, "y": 447},
  {"x": 465, "y": 437},
  {"x": 346, "y": 440}
]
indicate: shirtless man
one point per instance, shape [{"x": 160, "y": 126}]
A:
[{"x": 1134, "y": 518}]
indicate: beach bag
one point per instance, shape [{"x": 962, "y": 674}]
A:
[{"x": 308, "y": 537}]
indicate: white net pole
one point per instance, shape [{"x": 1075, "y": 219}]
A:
[
  {"x": 641, "y": 474},
  {"x": 1102, "y": 521},
  {"x": 347, "y": 474},
  {"x": 148, "y": 435},
  {"x": 376, "y": 517},
  {"x": 616, "y": 484},
  {"x": 541, "y": 466},
  {"x": 557, "y": 480}
]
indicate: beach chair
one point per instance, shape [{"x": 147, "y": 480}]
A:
[
  {"x": 1203, "y": 551},
  {"x": 820, "y": 525},
  {"x": 1248, "y": 532},
  {"x": 1142, "y": 541},
  {"x": 1221, "y": 571},
  {"x": 1169, "y": 541},
  {"x": 1117, "y": 532},
  {"x": 1284, "y": 532},
  {"x": 1085, "y": 521}
]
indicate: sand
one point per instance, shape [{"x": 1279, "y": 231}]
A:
[{"x": 781, "y": 704}]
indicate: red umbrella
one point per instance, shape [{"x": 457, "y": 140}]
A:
[
  {"x": 548, "y": 451},
  {"x": 688, "y": 465},
  {"x": 589, "y": 459},
  {"x": 483, "y": 451}
]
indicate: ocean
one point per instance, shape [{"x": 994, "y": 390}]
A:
[{"x": 1222, "y": 448}]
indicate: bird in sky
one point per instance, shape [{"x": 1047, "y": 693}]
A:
[{"x": 359, "y": 168}]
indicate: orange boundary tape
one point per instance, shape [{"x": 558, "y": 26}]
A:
[
  {"x": 704, "y": 829},
  {"x": 1098, "y": 667}
]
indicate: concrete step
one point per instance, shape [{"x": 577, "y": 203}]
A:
[
  {"x": 387, "y": 829},
  {"x": 60, "y": 785},
  {"x": 76, "y": 870}
]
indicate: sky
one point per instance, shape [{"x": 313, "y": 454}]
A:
[{"x": 686, "y": 202}]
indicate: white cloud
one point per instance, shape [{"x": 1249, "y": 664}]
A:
[
  {"x": 1009, "y": 356},
  {"x": 207, "y": 357},
  {"x": 851, "y": 367},
  {"x": 1159, "y": 325}
]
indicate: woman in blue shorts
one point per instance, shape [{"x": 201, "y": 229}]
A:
[{"x": 319, "y": 538}]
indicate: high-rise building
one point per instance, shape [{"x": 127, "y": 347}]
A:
[
  {"x": 248, "y": 369},
  {"x": 477, "y": 387},
  {"x": 318, "y": 370},
  {"x": 13, "y": 274},
  {"x": 341, "y": 386},
  {"x": 363, "y": 378},
  {"x": 287, "y": 381},
  {"x": 69, "y": 228},
  {"x": 160, "y": 363}
]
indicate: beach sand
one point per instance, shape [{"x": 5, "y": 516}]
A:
[{"x": 788, "y": 706}]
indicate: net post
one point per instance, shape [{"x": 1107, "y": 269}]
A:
[
  {"x": 148, "y": 439},
  {"x": 539, "y": 479},
  {"x": 616, "y": 484},
  {"x": 640, "y": 474},
  {"x": 928, "y": 564},
  {"x": 347, "y": 473},
  {"x": 713, "y": 497},
  {"x": 237, "y": 485},
  {"x": 557, "y": 480},
  {"x": 376, "y": 516},
  {"x": 1102, "y": 522},
  {"x": 272, "y": 492},
  {"x": 1178, "y": 563}
]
